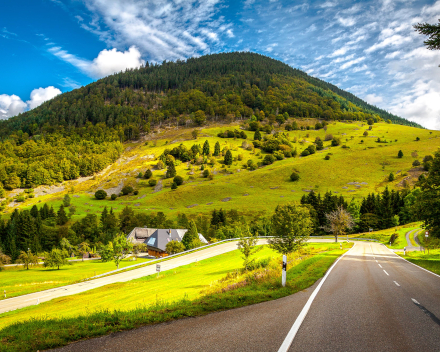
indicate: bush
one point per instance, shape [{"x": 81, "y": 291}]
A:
[
  {"x": 365, "y": 134},
  {"x": 268, "y": 159},
  {"x": 400, "y": 154},
  {"x": 160, "y": 165},
  {"x": 206, "y": 173},
  {"x": 100, "y": 194},
  {"x": 127, "y": 190},
  {"x": 327, "y": 157},
  {"x": 148, "y": 174},
  {"x": 136, "y": 192},
  {"x": 178, "y": 180},
  {"x": 152, "y": 182},
  {"x": 416, "y": 163},
  {"x": 174, "y": 185},
  {"x": 335, "y": 142},
  {"x": 279, "y": 155},
  {"x": 140, "y": 175},
  {"x": 288, "y": 154},
  {"x": 305, "y": 152},
  {"x": 295, "y": 176},
  {"x": 391, "y": 177},
  {"x": 393, "y": 238},
  {"x": 113, "y": 196},
  {"x": 328, "y": 137}
]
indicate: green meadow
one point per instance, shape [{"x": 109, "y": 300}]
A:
[
  {"x": 18, "y": 281},
  {"x": 368, "y": 163},
  {"x": 187, "y": 281}
]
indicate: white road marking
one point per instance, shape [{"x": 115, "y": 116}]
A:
[
  {"x": 396, "y": 283},
  {"x": 386, "y": 273},
  {"x": 377, "y": 261},
  {"x": 380, "y": 265},
  {"x": 415, "y": 301},
  {"x": 295, "y": 327}
]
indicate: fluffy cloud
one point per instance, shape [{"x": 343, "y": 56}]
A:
[
  {"x": 11, "y": 105},
  {"x": 373, "y": 99},
  {"x": 161, "y": 30},
  {"x": 106, "y": 63}
]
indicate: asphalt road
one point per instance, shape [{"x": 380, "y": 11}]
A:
[{"x": 372, "y": 300}]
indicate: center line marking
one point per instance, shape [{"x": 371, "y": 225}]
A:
[
  {"x": 396, "y": 283},
  {"x": 380, "y": 265},
  {"x": 386, "y": 273},
  {"x": 415, "y": 301}
]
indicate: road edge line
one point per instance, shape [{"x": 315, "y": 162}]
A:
[
  {"x": 297, "y": 324},
  {"x": 398, "y": 256}
]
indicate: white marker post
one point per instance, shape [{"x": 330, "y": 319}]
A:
[
  {"x": 283, "y": 277},
  {"x": 404, "y": 250},
  {"x": 158, "y": 269}
]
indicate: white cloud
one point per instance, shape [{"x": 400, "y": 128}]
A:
[
  {"x": 360, "y": 68},
  {"x": 394, "y": 40},
  {"x": 352, "y": 62},
  {"x": 11, "y": 105},
  {"x": 373, "y": 99},
  {"x": 40, "y": 95},
  {"x": 161, "y": 30},
  {"x": 347, "y": 22},
  {"x": 106, "y": 63},
  {"x": 230, "y": 33},
  {"x": 328, "y": 4}
]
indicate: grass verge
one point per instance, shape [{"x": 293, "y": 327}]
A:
[
  {"x": 427, "y": 261},
  {"x": 42, "y": 332}
]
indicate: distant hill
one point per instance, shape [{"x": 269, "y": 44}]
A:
[{"x": 80, "y": 132}]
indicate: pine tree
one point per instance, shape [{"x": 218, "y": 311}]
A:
[
  {"x": 62, "y": 218},
  {"x": 206, "y": 148},
  {"x": 400, "y": 154},
  {"x": 104, "y": 215},
  {"x": 190, "y": 236},
  {"x": 228, "y": 158},
  {"x": 34, "y": 211},
  {"x": 217, "y": 149},
  {"x": 44, "y": 211},
  {"x": 257, "y": 135},
  {"x": 171, "y": 170},
  {"x": 51, "y": 213},
  {"x": 66, "y": 201}
]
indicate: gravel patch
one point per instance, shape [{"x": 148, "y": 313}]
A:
[
  {"x": 137, "y": 205},
  {"x": 226, "y": 199},
  {"x": 192, "y": 205}
]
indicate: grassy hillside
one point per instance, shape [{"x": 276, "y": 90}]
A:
[{"x": 354, "y": 171}]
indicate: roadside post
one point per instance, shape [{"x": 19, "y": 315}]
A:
[
  {"x": 283, "y": 277},
  {"x": 158, "y": 269},
  {"x": 404, "y": 250}
]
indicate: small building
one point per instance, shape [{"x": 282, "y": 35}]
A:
[{"x": 157, "y": 239}]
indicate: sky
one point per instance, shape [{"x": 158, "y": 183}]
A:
[{"x": 368, "y": 48}]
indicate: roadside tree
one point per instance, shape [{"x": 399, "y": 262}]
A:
[
  {"x": 338, "y": 221},
  {"x": 291, "y": 227},
  {"x": 248, "y": 247},
  {"x": 56, "y": 258},
  {"x": 174, "y": 247},
  {"x": 27, "y": 258}
]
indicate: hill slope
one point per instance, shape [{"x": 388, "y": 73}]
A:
[{"x": 80, "y": 132}]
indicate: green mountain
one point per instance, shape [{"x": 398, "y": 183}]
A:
[{"x": 80, "y": 132}]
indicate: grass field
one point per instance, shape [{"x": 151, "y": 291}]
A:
[
  {"x": 429, "y": 261},
  {"x": 173, "y": 285},
  {"x": 18, "y": 281},
  {"x": 369, "y": 163},
  {"x": 38, "y": 330}
]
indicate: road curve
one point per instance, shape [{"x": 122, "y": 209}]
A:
[{"x": 371, "y": 301}]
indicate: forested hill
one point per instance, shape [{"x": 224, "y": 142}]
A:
[
  {"x": 218, "y": 84},
  {"x": 80, "y": 132}
]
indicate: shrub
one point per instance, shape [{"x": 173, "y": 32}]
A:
[
  {"x": 328, "y": 137},
  {"x": 148, "y": 174},
  {"x": 140, "y": 175},
  {"x": 127, "y": 190},
  {"x": 311, "y": 149},
  {"x": 160, "y": 165},
  {"x": 152, "y": 182},
  {"x": 391, "y": 177},
  {"x": 268, "y": 159},
  {"x": 393, "y": 238},
  {"x": 295, "y": 176},
  {"x": 327, "y": 157},
  {"x": 305, "y": 152},
  {"x": 318, "y": 126},
  {"x": 228, "y": 158},
  {"x": 136, "y": 192},
  {"x": 113, "y": 196},
  {"x": 278, "y": 155},
  {"x": 400, "y": 154},
  {"x": 178, "y": 180},
  {"x": 100, "y": 194},
  {"x": 335, "y": 142},
  {"x": 206, "y": 173},
  {"x": 174, "y": 185},
  {"x": 288, "y": 154},
  {"x": 365, "y": 134},
  {"x": 416, "y": 163},
  {"x": 121, "y": 194}
]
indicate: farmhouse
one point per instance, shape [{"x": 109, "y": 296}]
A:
[{"x": 157, "y": 239}]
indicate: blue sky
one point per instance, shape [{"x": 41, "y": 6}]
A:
[{"x": 366, "y": 47}]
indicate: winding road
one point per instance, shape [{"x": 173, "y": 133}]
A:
[{"x": 370, "y": 300}]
